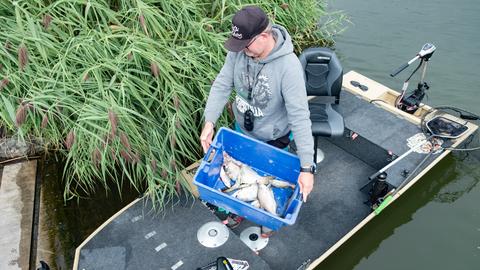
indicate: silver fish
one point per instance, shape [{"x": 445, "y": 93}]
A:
[
  {"x": 232, "y": 169},
  {"x": 266, "y": 199},
  {"x": 281, "y": 184},
  {"x": 228, "y": 158},
  {"x": 225, "y": 179},
  {"x": 247, "y": 194},
  {"x": 248, "y": 175},
  {"x": 255, "y": 203},
  {"x": 243, "y": 174}
]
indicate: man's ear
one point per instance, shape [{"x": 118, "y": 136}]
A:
[{"x": 264, "y": 35}]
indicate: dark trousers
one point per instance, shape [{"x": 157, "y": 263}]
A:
[{"x": 281, "y": 142}]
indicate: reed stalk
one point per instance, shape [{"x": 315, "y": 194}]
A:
[{"x": 118, "y": 87}]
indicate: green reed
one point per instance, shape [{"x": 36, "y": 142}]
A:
[{"x": 118, "y": 87}]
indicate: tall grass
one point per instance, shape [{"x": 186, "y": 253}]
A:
[{"x": 118, "y": 87}]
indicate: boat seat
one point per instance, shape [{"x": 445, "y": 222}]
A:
[{"x": 323, "y": 78}]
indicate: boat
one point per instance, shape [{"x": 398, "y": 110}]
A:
[{"x": 383, "y": 152}]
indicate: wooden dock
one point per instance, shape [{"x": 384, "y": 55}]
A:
[{"x": 17, "y": 189}]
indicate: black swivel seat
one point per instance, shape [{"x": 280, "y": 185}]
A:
[{"x": 323, "y": 79}]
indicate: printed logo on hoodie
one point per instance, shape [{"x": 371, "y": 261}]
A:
[{"x": 261, "y": 95}]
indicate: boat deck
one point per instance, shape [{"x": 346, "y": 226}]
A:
[
  {"x": 333, "y": 208},
  {"x": 138, "y": 239}
]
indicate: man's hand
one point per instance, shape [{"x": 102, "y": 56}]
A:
[
  {"x": 305, "y": 180},
  {"x": 207, "y": 136}
]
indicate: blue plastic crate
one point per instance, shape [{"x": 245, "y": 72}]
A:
[{"x": 263, "y": 158}]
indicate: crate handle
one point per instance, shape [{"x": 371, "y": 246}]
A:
[
  {"x": 210, "y": 149},
  {"x": 294, "y": 197},
  {"x": 298, "y": 196}
]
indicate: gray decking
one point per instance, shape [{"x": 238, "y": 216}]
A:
[
  {"x": 333, "y": 209},
  {"x": 139, "y": 239}
]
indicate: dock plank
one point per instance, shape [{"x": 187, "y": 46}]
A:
[{"x": 16, "y": 208}]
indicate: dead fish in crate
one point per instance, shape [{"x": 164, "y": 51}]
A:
[
  {"x": 281, "y": 184},
  {"x": 246, "y": 194},
  {"x": 224, "y": 177},
  {"x": 228, "y": 158},
  {"x": 243, "y": 174},
  {"x": 267, "y": 199},
  {"x": 231, "y": 166},
  {"x": 247, "y": 177},
  {"x": 255, "y": 203}
]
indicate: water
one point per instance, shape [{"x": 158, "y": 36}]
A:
[
  {"x": 436, "y": 225},
  {"x": 69, "y": 223}
]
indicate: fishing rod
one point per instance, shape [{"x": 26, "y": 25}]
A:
[
  {"x": 438, "y": 127},
  {"x": 382, "y": 170},
  {"x": 385, "y": 200}
]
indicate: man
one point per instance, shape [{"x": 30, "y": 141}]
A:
[{"x": 268, "y": 78}]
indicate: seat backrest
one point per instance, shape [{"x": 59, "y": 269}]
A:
[{"x": 323, "y": 72}]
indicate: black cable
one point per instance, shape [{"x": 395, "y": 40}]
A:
[
  {"x": 373, "y": 100},
  {"x": 463, "y": 149},
  {"x": 467, "y": 143},
  {"x": 461, "y": 112},
  {"x": 471, "y": 116},
  {"x": 419, "y": 65},
  {"x": 398, "y": 100}
]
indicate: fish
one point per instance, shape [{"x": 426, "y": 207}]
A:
[
  {"x": 231, "y": 167},
  {"x": 225, "y": 179},
  {"x": 266, "y": 199},
  {"x": 255, "y": 203},
  {"x": 249, "y": 185},
  {"x": 228, "y": 158},
  {"x": 247, "y": 194},
  {"x": 281, "y": 184},
  {"x": 247, "y": 176},
  {"x": 243, "y": 174}
]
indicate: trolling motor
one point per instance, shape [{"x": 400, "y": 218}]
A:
[{"x": 411, "y": 103}]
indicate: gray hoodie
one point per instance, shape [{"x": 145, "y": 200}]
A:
[{"x": 279, "y": 99}]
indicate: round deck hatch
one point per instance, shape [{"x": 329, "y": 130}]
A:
[
  {"x": 212, "y": 234},
  {"x": 251, "y": 237}
]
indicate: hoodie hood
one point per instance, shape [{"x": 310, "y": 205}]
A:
[{"x": 283, "y": 44}]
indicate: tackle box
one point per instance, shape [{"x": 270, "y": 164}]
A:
[{"x": 265, "y": 160}]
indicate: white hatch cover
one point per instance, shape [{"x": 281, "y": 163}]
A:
[
  {"x": 213, "y": 234},
  {"x": 251, "y": 237}
]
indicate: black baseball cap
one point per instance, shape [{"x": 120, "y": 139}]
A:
[{"x": 246, "y": 24}]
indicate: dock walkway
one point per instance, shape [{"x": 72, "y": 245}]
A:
[{"x": 17, "y": 187}]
